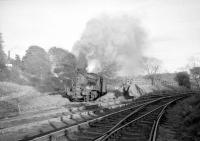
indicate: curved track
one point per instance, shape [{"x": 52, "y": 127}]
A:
[{"x": 142, "y": 127}]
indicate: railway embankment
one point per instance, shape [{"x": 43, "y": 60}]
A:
[{"x": 182, "y": 121}]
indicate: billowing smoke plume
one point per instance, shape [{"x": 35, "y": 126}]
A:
[{"x": 112, "y": 45}]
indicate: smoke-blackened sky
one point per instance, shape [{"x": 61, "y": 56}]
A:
[{"x": 117, "y": 40}]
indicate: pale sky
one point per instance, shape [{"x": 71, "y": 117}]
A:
[{"x": 172, "y": 26}]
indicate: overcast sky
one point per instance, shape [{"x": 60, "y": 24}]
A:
[{"x": 172, "y": 26}]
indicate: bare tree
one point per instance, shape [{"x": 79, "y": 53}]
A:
[
  {"x": 151, "y": 68},
  {"x": 109, "y": 69},
  {"x": 193, "y": 62}
]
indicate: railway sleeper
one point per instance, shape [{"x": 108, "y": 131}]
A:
[
  {"x": 101, "y": 126},
  {"x": 131, "y": 134},
  {"x": 100, "y": 131},
  {"x": 84, "y": 138},
  {"x": 146, "y": 122},
  {"x": 131, "y": 131},
  {"x": 133, "y": 138},
  {"x": 103, "y": 121},
  {"x": 111, "y": 123},
  {"x": 166, "y": 125},
  {"x": 144, "y": 125},
  {"x": 150, "y": 118},
  {"x": 115, "y": 117},
  {"x": 64, "y": 138},
  {"x": 92, "y": 132},
  {"x": 138, "y": 129},
  {"x": 86, "y": 134}
]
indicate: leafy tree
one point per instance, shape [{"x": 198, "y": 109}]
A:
[
  {"x": 36, "y": 62},
  {"x": 183, "y": 79},
  {"x": 195, "y": 73}
]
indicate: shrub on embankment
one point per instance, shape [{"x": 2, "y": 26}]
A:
[{"x": 185, "y": 119}]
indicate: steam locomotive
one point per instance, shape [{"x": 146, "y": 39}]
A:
[{"x": 86, "y": 87}]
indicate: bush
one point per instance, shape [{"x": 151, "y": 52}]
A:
[
  {"x": 50, "y": 84},
  {"x": 183, "y": 79}
]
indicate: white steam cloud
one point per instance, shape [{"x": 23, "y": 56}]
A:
[{"x": 113, "y": 43}]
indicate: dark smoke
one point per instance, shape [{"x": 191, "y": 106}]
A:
[{"x": 114, "y": 43}]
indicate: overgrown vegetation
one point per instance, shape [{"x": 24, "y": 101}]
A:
[{"x": 185, "y": 119}]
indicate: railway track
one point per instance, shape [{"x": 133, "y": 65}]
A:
[
  {"x": 143, "y": 127},
  {"x": 136, "y": 121}
]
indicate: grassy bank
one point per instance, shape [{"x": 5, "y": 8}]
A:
[{"x": 16, "y": 98}]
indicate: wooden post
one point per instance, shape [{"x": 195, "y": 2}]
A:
[{"x": 18, "y": 106}]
